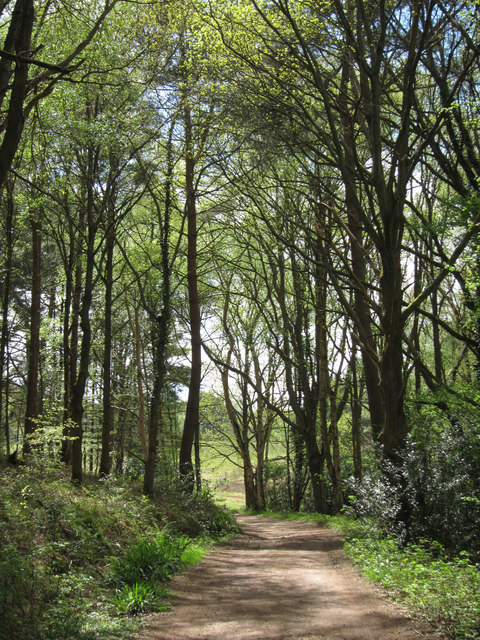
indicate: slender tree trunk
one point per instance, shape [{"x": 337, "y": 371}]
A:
[
  {"x": 73, "y": 293},
  {"x": 160, "y": 334},
  {"x": 242, "y": 441},
  {"x": 298, "y": 469},
  {"x": 336, "y": 477},
  {"x": 31, "y": 413},
  {"x": 161, "y": 340},
  {"x": 78, "y": 391},
  {"x": 5, "y": 307},
  {"x": 316, "y": 462},
  {"x": 108, "y": 411},
  {"x": 191, "y": 424},
  {"x": 135, "y": 329},
  {"x": 356, "y": 408},
  {"x": 358, "y": 264},
  {"x": 261, "y": 436}
]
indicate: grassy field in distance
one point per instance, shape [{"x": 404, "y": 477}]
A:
[{"x": 221, "y": 469}]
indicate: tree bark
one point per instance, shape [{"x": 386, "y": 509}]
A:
[
  {"x": 18, "y": 41},
  {"x": 160, "y": 332},
  {"x": 316, "y": 463},
  {"x": 135, "y": 329},
  {"x": 358, "y": 261},
  {"x": 78, "y": 390},
  {"x": 31, "y": 413},
  {"x": 108, "y": 411},
  {"x": 191, "y": 424},
  {"x": 356, "y": 408},
  {"x": 10, "y": 206},
  {"x": 73, "y": 294}
]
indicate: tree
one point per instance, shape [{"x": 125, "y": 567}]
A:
[
  {"x": 24, "y": 92},
  {"x": 361, "y": 122}
]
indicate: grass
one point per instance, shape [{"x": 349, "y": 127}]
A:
[
  {"x": 221, "y": 469},
  {"x": 423, "y": 577}
]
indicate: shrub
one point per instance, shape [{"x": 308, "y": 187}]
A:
[
  {"x": 441, "y": 485},
  {"x": 150, "y": 561},
  {"x": 277, "y": 494},
  {"x": 137, "y": 598},
  {"x": 426, "y": 579}
]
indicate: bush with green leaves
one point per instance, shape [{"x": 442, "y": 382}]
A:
[
  {"x": 150, "y": 560},
  {"x": 444, "y": 475},
  {"x": 441, "y": 485},
  {"x": 195, "y": 514},
  {"x": 277, "y": 494},
  {"x": 426, "y": 579}
]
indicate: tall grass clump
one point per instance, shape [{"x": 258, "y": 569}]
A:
[{"x": 140, "y": 574}]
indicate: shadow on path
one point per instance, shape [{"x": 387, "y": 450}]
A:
[{"x": 281, "y": 579}]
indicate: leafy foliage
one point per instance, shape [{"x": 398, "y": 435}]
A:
[
  {"x": 150, "y": 560},
  {"x": 423, "y": 576},
  {"x": 137, "y": 598},
  {"x": 441, "y": 472},
  {"x": 96, "y": 552}
]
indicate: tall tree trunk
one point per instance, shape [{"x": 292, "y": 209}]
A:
[
  {"x": 392, "y": 380},
  {"x": 191, "y": 424},
  {"x": 240, "y": 436},
  {"x": 261, "y": 436},
  {"x": 78, "y": 391},
  {"x": 160, "y": 332},
  {"x": 358, "y": 263},
  {"x": 356, "y": 408},
  {"x": 392, "y": 377},
  {"x": 108, "y": 412},
  {"x": 18, "y": 40},
  {"x": 5, "y": 306},
  {"x": 31, "y": 413},
  {"x": 135, "y": 330},
  {"x": 337, "y": 501},
  {"x": 73, "y": 294},
  {"x": 298, "y": 469},
  {"x": 316, "y": 463}
]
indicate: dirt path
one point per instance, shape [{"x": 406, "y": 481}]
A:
[{"x": 281, "y": 579}]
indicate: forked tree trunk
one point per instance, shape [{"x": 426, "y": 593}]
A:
[{"x": 18, "y": 40}]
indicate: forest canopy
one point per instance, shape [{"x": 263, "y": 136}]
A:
[{"x": 254, "y": 223}]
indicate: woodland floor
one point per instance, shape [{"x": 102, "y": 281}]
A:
[{"x": 281, "y": 579}]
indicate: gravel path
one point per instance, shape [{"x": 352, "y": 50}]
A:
[{"x": 281, "y": 579}]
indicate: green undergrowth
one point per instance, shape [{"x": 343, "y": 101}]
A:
[
  {"x": 80, "y": 563},
  {"x": 423, "y": 577}
]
